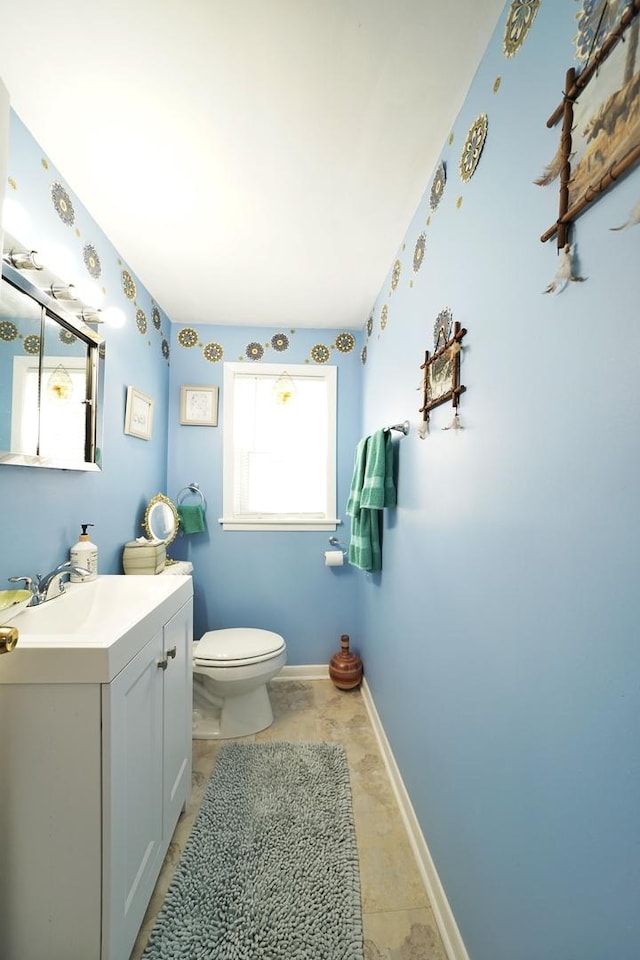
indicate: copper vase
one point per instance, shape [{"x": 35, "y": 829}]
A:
[{"x": 345, "y": 668}]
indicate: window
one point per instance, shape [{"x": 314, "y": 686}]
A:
[{"x": 279, "y": 447}]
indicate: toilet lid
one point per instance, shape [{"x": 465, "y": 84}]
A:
[{"x": 238, "y": 644}]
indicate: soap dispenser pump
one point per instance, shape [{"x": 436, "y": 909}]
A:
[{"x": 84, "y": 554}]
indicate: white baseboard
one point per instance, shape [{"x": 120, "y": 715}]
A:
[
  {"x": 452, "y": 941},
  {"x": 306, "y": 671},
  {"x": 447, "y": 926}
]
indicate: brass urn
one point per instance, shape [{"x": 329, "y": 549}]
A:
[{"x": 345, "y": 668}]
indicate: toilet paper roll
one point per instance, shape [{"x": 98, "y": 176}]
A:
[{"x": 333, "y": 558}]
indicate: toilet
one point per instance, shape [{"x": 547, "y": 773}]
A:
[{"x": 231, "y": 669}]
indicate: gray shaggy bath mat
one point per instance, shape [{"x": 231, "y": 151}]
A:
[{"x": 270, "y": 870}]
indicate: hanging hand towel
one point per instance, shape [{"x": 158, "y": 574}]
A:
[
  {"x": 378, "y": 488},
  {"x": 191, "y": 518},
  {"x": 372, "y": 488}
]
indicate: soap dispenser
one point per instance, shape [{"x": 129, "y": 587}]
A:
[{"x": 84, "y": 553}]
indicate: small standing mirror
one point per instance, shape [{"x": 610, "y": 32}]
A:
[{"x": 161, "y": 519}]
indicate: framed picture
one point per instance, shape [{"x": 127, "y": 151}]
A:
[
  {"x": 138, "y": 418},
  {"x": 199, "y": 406},
  {"x": 600, "y": 113},
  {"x": 441, "y": 370}
]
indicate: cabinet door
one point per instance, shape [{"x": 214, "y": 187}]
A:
[
  {"x": 132, "y": 771},
  {"x": 178, "y": 634}
]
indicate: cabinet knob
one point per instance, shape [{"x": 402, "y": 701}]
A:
[
  {"x": 9, "y": 638},
  {"x": 163, "y": 664},
  {"x": 172, "y": 653}
]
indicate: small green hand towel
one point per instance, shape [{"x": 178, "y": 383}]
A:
[{"x": 191, "y": 518}]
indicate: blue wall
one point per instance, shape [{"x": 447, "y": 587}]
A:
[
  {"x": 42, "y": 509},
  {"x": 273, "y": 580},
  {"x": 502, "y": 635},
  {"x": 500, "y": 639}
]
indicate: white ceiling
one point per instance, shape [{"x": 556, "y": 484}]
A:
[{"x": 253, "y": 161}]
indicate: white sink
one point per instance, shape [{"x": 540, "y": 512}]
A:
[
  {"x": 91, "y": 632},
  {"x": 95, "y": 607}
]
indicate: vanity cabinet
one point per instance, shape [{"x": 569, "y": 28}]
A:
[{"x": 93, "y": 777}]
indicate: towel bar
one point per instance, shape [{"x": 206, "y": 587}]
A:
[{"x": 400, "y": 427}]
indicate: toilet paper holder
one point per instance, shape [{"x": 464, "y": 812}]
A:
[{"x": 334, "y": 542}]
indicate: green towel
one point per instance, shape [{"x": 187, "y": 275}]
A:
[
  {"x": 378, "y": 489},
  {"x": 357, "y": 481},
  {"x": 191, "y": 518},
  {"x": 372, "y": 488}
]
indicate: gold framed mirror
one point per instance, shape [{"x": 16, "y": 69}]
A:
[{"x": 161, "y": 520}]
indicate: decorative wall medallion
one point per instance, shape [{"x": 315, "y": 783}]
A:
[
  {"x": 12, "y": 183},
  {"x": 128, "y": 285},
  {"x": 67, "y": 337},
  {"x": 395, "y": 274},
  {"x": 442, "y": 328},
  {"x": 8, "y": 331},
  {"x": 213, "y": 352},
  {"x": 254, "y": 350},
  {"x": 165, "y": 349},
  {"x": 188, "y": 337},
  {"x": 473, "y": 145},
  {"x": 418, "y": 253},
  {"x": 437, "y": 186},
  {"x": 451, "y": 138},
  {"x": 31, "y": 343},
  {"x": 44, "y": 162},
  {"x": 519, "y": 21},
  {"x": 363, "y": 354},
  {"x": 595, "y": 21},
  {"x": 141, "y": 321},
  {"x": 345, "y": 342},
  {"x": 496, "y": 84},
  {"x": 91, "y": 260},
  {"x": 384, "y": 316},
  {"x": 459, "y": 202},
  {"x": 155, "y": 317},
  {"x": 320, "y": 353},
  {"x": 280, "y": 342},
  {"x": 62, "y": 203},
  {"x": 369, "y": 326}
]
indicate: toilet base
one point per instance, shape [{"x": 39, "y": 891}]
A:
[{"x": 238, "y": 716}]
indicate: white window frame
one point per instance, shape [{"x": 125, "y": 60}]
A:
[{"x": 283, "y": 522}]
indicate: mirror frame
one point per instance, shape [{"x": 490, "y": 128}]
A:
[
  {"x": 160, "y": 498},
  {"x": 96, "y": 355}
]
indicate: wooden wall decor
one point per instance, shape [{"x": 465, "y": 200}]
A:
[
  {"x": 441, "y": 370},
  {"x": 600, "y": 113}
]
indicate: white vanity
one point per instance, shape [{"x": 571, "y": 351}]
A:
[{"x": 95, "y": 764}]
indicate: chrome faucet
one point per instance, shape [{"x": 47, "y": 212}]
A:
[{"x": 51, "y": 585}]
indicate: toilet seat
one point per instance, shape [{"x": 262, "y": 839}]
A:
[{"x": 237, "y": 646}]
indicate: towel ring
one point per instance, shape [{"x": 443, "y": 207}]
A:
[{"x": 193, "y": 488}]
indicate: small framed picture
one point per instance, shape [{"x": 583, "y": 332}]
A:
[
  {"x": 199, "y": 406},
  {"x": 138, "y": 418}
]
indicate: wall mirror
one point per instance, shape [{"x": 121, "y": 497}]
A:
[
  {"x": 161, "y": 519},
  {"x": 51, "y": 380}
]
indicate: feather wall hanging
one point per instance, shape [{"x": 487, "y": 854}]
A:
[
  {"x": 553, "y": 170},
  {"x": 634, "y": 217},
  {"x": 564, "y": 274}
]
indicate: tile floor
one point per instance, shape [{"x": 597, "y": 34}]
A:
[{"x": 398, "y": 921}]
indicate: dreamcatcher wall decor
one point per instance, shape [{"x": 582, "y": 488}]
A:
[
  {"x": 441, "y": 371},
  {"x": 600, "y": 113}
]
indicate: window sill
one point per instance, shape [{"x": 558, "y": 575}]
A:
[{"x": 270, "y": 524}]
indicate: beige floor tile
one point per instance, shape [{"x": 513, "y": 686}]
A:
[
  {"x": 398, "y": 922},
  {"x": 389, "y": 876},
  {"x": 402, "y": 935}
]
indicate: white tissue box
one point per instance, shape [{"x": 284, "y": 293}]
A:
[{"x": 141, "y": 558}]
